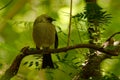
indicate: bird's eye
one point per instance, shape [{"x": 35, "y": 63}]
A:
[{"x": 49, "y": 18}]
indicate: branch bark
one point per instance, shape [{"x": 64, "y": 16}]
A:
[
  {"x": 64, "y": 49},
  {"x": 13, "y": 69}
]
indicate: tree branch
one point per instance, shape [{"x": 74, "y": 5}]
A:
[
  {"x": 13, "y": 69},
  {"x": 64, "y": 49}
]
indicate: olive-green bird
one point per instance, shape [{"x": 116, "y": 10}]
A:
[{"x": 44, "y": 36}]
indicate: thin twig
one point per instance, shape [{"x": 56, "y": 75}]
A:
[
  {"x": 6, "y": 5},
  {"x": 70, "y": 23},
  {"x": 112, "y": 36}
]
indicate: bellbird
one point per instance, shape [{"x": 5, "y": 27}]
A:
[{"x": 44, "y": 36}]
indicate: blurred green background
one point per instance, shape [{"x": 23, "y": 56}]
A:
[{"x": 16, "y": 22}]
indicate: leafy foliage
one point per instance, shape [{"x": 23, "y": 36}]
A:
[
  {"x": 94, "y": 14},
  {"x": 16, "y": 28}
]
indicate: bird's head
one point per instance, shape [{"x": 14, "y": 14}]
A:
[{"x": 44, "y": 18}]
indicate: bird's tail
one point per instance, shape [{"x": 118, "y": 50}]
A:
[{"x": 47, "y": 61}]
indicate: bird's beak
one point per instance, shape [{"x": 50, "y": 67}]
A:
[{"x": 53, "y": 19}]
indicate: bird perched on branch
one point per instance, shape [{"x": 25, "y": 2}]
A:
[{"x": 44, "y": 36}]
